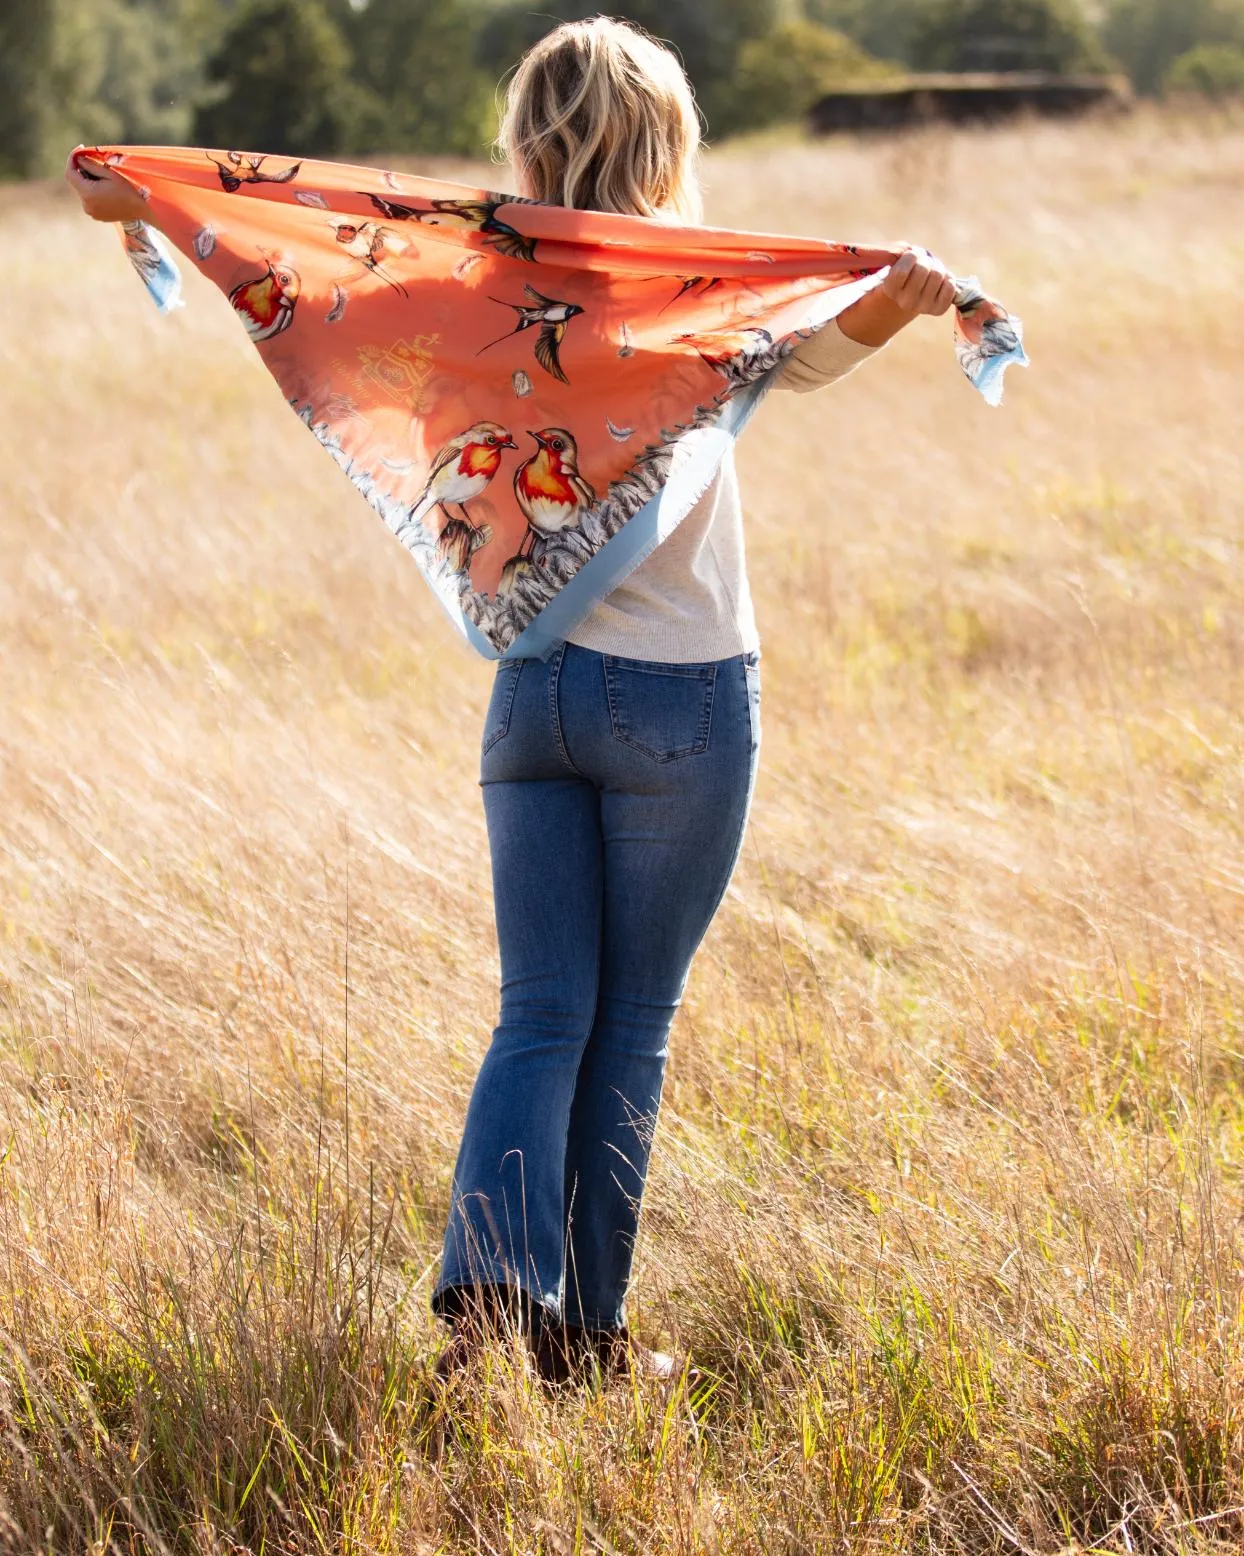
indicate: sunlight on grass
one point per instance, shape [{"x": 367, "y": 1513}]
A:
[{"x": 947, "y": 1190}]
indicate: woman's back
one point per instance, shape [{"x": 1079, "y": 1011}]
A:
[{"x": 689, "y": 600}]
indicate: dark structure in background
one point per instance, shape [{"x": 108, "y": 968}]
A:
[{"x": 962, "y": 99}]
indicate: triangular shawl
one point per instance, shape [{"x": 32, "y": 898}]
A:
[{"x": 530, "y": 397}]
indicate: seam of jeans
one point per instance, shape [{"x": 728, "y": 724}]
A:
[
  {"x": 503, "y": 728},
  {"x": 753, "y": 766},
  {"x": 555, "y": 670}
]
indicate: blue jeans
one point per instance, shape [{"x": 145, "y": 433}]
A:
[{"x": 616, "y": 792}]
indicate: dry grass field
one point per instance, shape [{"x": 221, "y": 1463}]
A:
[{"x": 947, "y": 1194}]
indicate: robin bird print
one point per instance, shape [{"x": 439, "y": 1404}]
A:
[
  {"x": 553, "y": 318},
  {"x": 470, "y": 215},
  {"x": 551, "y": 494},
  {"x": 266, "y": 305},
  {"x": 237, "y": 170},
  {"x": 370, "y": 244},
  {"x": 459, "y": 474}
]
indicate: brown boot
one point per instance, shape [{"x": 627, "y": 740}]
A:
[
  {"x": 617, "y": 1350},
  {"x": 565, "y": 1353},
  {"x": 463, "y": 1344},
  {"x": 560, "y": 1352},
  {"x": 478, "y": 1314}
]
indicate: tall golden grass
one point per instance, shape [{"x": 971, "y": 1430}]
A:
[{"x": 947, "y": 1193}]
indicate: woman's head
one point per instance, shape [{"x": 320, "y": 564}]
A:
[{"x": 599, "y": 116}]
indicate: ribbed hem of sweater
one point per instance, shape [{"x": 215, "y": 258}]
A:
[{"x": 691, "y": 642}]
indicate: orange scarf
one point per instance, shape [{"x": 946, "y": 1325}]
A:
[{"x": 531, "y": 397}]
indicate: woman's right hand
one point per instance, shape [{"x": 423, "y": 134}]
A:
[{"x": 104, "y": 196}]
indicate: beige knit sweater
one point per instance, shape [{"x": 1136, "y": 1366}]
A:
[{"x": 688, "y": 601}]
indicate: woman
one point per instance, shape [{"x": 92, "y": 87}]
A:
[{"x": 616, "y": 773}]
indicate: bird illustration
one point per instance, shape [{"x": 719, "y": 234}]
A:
[
  {"x": 551, "y": 494},
  {"x": 987, "y": 339},
  {"x": 738, "y": 355},
  {"x": 370, "y": 244},
  {"x": 459, "y": 474},
  {"x": 689, "y": 284},
  {"x": 984, "y": 324},
  {"x": 238, "y": 169},
  {"x": 266, "y": 305},
  {"x": 466, "y": 215},
  {"x": 552, "y": 316}
]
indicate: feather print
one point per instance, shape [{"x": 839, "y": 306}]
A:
[
  {"x": 338, "y": 310},
  {"x": 619, "y": 434},
  {"x": 205, "y": 241}
]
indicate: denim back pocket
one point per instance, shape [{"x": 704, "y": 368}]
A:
[
  {"x": 663, "y": 710},
  {"x": 497, "y": 719}
]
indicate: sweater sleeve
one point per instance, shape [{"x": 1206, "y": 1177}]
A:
[{"x": 822, "y": 359}]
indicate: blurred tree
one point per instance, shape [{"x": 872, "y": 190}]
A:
[
  {"x": 883, "y": 27},
  {"x": 1210, "y": 69},
  {"x": 1005, "y": 35},
  {"x": 153, "y": 63},
  {"x": 280, "y": 79},
  {"x": 95, "y": 70},
  {"x": 53, "y": 59},
  {"x": 26, "y": 54},
  {"x": 1147, "y": 36},
  {"x": 416, "y": 60},
  {"x": 782, "y": 74}
]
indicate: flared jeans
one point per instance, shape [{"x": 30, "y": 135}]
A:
[{"x": 616, "y": 793}]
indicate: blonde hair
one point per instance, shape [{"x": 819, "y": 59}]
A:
[{"x": 599, "y": 116}]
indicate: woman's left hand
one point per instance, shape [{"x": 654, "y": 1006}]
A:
[
  {"x": 919, "y": 283},
  {"x": 915, "y": 283}
]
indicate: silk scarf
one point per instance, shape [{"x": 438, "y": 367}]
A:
[{"x": 530, "y": 397}]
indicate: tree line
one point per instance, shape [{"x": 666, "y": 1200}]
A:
[{"x": 359, "y": 77}]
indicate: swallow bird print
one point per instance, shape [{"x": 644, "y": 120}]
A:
[
  {"x": 266, "y": 304},
  {"x": 238, "y": 169},
  {"x": 704, "y": 284},
  {"x": 553, "y": 319}
]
